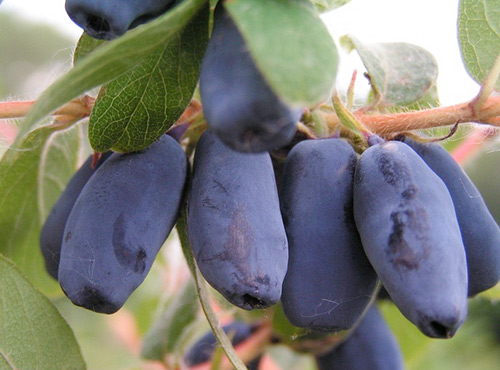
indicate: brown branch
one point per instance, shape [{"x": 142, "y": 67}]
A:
[
  {"x": 436, "y": 117},
  {"x": 495, "y": 121},
  {"x": 489, "y": 113},
  {"x": 78, "y": 108}
]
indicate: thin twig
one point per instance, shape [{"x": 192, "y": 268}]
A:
[
  {"x": 79, "y": 108},
  {"x": 247, "y": 350},
  {"x": 203, "y": 294},
  {"x": 487, "y": 86}
]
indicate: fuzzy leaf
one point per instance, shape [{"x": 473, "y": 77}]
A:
[
  {"x": 479, "y": 36},
  {"x": 291, "y": 47},
  {"x": 400, "y": 73},
  {"x": 85, "y": 46},
  {"x": 33, "y": 333},
  {"x": 134, "y": 110}
]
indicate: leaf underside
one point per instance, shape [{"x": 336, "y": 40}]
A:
[
  {"x": 479, "y": 36},
  {"x": 400, "y": 73},
  {"x": 291, "y": 47}
]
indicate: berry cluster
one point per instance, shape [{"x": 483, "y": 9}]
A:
[
  {"x": 348, "y": 222},
  {"x": 402, "y": 214}
]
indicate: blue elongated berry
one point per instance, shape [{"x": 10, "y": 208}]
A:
[
  {"x": 51, "y": 235},
  {"x": 108, "y": 19},
  {"x": 118, "y": 224},
  {"x": 234, "y": 224},
  {"x": 480, "y": 232},
  {"x": 370, "y": 346},
  {"x": 237, "y": 102},
  {"x": 204, "y": 348},
  {"x": 329, "y": 282},
  {"x": 410, "y": 233}
]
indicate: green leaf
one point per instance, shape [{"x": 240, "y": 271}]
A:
[
  {"x": 286, "y": 332},
  {"x": 291, "y": 47},
  {"x": 85, "y": 46},
  {"x": 348, "y": 119},
  {"x": 479, "y": 36},
  {"x": 400, "y": 73},
  {"x": 302, "y": 339},
  {"x": 168, "y": 329},
  {"x": 327, "y": 5},
  {"x": 429, "y": 100},
  {"x": 31, "y": 179},
  {"x": 134, "y": 110},
  {"x": 111, "y": 60},
  {"x": 34, "y": 334}
]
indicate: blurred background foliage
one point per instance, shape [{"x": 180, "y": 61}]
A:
[{"x": 33, "y": 55}]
